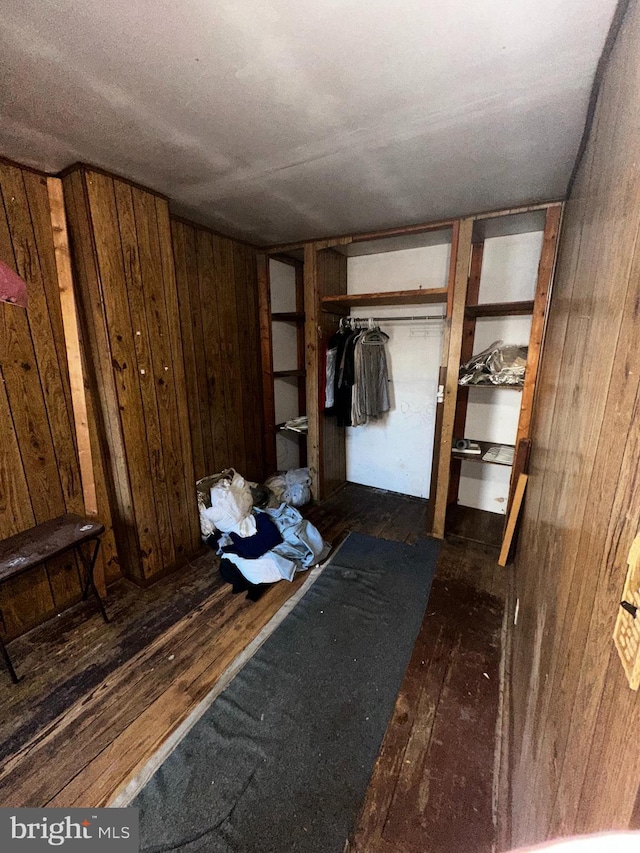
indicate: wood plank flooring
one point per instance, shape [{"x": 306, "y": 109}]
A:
[{"x": 97, "y": 700}]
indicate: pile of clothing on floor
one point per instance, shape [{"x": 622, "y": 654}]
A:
[{"x": 259, "y": 544}]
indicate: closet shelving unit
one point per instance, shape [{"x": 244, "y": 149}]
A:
[
  {"x": 545, "y": 220},
  {"x": 484, "y": 447},
  {"x": 326, "y": 300},
  {"x": 326, "y": 290},
  {"x": 268, "y": 320}
]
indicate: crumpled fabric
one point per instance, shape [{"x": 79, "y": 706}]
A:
[
  {"x": 302, "y": 541},
  {"x": 254, "y": 547},
  {"x": 269, "y": 568},
  {"x": 231, "y": 505}
]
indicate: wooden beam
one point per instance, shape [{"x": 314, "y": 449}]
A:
[
  {"x": 314, "y": 450},
  {"x": 72, "y": 342},
  {"x": 520, "y": 466},
  {"x": 462, "y": 261},
  {"x": 499, "y": 309},
  {"x": 524, "y": 208},
  {"x": 300, "y": 358},
  {"x": 266, "y": 352},
  {"x": 466, "y": 351},
  {"x": 513, "y": 520},
  {"x": 436, "y": 225},
  {"x": 343, "y": 302},
  {"x": 538, "y": 323}
]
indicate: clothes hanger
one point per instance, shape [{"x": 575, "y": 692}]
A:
[{"x": 374, "y": 336}]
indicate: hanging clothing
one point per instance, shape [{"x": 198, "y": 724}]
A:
[
  {"x": 373, "y": 377},
  {"x": 330, "y": 373},
  {"x": 345, "y": 376},
  {"x": 333, "y": 355},
  {"x": 356, "y": 361}
]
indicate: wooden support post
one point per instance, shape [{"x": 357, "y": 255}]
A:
[
  {"x": 266, "y": 354},
  {"x": 300, "y": 361},
  {"x": 312, "y": 356},
  {"x": 466, "y": 351},
  {"x": 72, "y": 342},
  {"x": 513, "y": 520},
  {"x": 538, "y": 325},
  {"x": 462, "y": 259}
]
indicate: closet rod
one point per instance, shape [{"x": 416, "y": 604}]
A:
[{"x": 388, "y": 319}]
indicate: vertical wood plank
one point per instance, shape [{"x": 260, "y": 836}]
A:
[
  {"x": 39, "y": 208},
  {"x": 229, "y": 347},
  {"x": 216, "y": 414},
  {"x": 538, "y": 325},
  {"x": 190, "y": 344},
  {"x": 197, "y": 314},
  {"x": 254, "y": 338},
  {"x": 182, "y": 392},
  {"x": 37, "y": 417},
  {"x": 268, "y": 398},
  {"x": 466, "y": 352},
  {"x": 331, "y": 281},
  {"x": 72, "y": 339},
  {"x": 110, "y": 474},
  {"x": 244, "y": 266},
  {"x": 462, "y": 262},
  {"x": 146, "y": 300},
  {"x": 31, "y": 365},
  {"x": 44, "y": 419},
  {"x": 312, "y": 362},
  {"x": 126, "y": 370}
]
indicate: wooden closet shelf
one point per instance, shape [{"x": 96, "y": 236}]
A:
[
  {"x": 498, "y": 309},
  {"x": 284, "y": 374},
  {"x": 491, "y": 385},
  {"x": 341, "y": 303},
  {"x": 288, "y": 316},
  {"x": 290, "y": 430},
  {"x": 484, "y": 446}
]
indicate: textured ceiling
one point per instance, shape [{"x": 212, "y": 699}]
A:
[{"x": 288, "y": 119}]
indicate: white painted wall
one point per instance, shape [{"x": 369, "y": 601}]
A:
[
  {"x": 285, "y": 355},
  {"x": 396, "y": 452},
  {"x": 509, "y": 271}
]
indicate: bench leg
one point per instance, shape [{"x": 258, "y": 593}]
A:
[
  {"x": 89, "y": 564},
  {"x": 7, "y": 660}
]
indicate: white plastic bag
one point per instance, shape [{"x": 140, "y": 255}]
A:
[
  {"x": 298, "y": 491},
  {"x": 231, "y": 505}
]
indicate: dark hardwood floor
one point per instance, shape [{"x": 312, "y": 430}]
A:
[{"x": 95, "y": 701}]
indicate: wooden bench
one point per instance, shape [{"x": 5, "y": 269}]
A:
[{"x": 31, "y": 548}]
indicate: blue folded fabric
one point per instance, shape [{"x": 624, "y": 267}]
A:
[{"x": 266, "y": 537}]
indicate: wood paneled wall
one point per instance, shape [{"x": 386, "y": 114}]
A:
[
  {"x": 39, "y": 472},
  {"x": 218, "y": 302},
  {"x": 123, "y": 262},
  {"x": 576, "y": 752}
]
